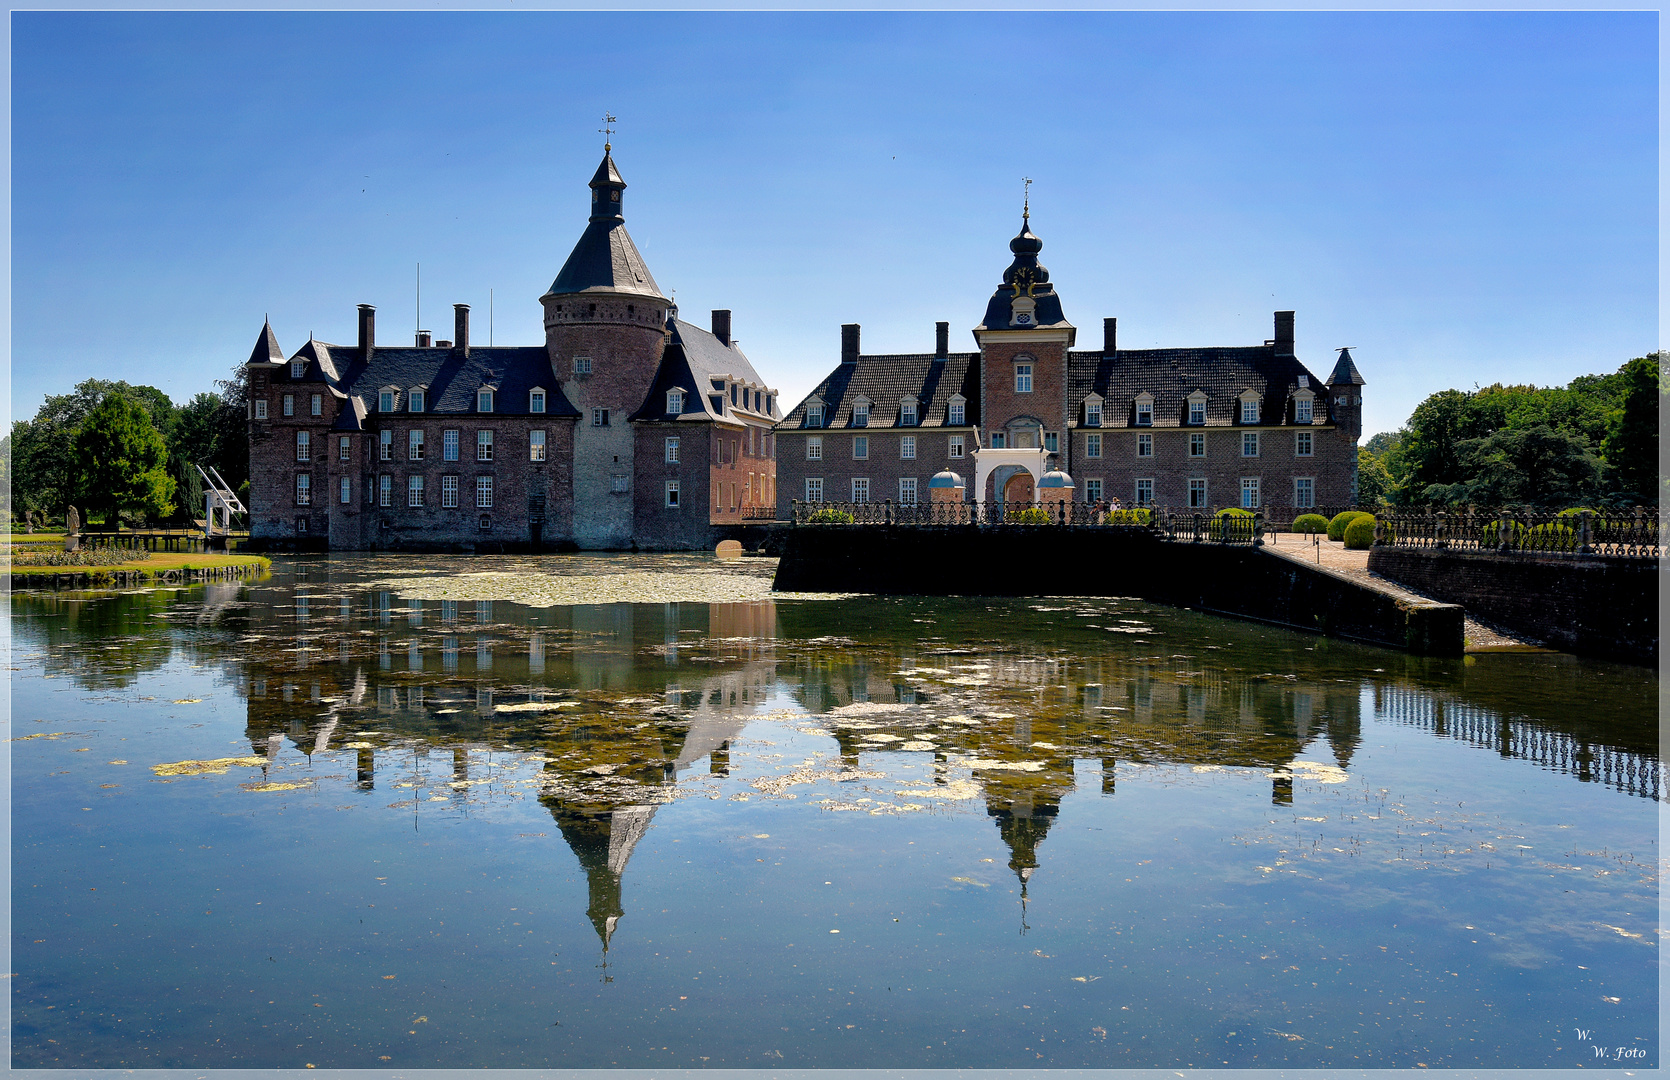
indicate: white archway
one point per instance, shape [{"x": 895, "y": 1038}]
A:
[{"x": 988, "y": 460}]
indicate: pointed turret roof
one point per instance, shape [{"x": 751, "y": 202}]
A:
[
  {"x": 605, "y": 259},
  {"x": 266, "y": 347},
  {"x": 1345, "y": 372}
]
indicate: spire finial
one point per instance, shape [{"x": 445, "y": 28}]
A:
[
  {"x": 1026, "y": 199},
  {"x": 606, "y": 130}
]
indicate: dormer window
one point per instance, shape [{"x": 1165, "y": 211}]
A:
[
  {"x": 1304, "y": 405},
  {"x": 907, "y": 412},
  {"x": 814, "y": 416},
  {"x": 675, "y": 402},
  {"x": 484, "y": 399},
  {"x": 298, "y": 368},
  {"x": 1249, "y": 407},
  {"x": 414, "y": 399},
  {"x": 1093, "y": 411},
  {"x": 385, "y": 399},
  {"x": 861, "y": 413},
  {"x": 1145, "y": 410},
  {"x": 1197, "y": 408},
  {"x": 956, "y": 415},
  {"x": 536, "y": 400}
]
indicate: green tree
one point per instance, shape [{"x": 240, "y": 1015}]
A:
[
  {"x": 1631, "y": 443},
  {"x": 1428, "y": 453},
  {"x": 44, "y": 467},
  {"x": 1536, "y": 465},
  {"x": 1374, "y": 483},
  {"x": 122, "y": 461}
]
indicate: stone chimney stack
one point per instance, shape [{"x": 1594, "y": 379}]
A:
[
  {"x": 424, "y": 339},
  {"x": 461, "y": 328},
  {"x": 1284, "y": 333},
  {"x": 942, "y": 340},
  {"x": 722, "y": 325},
  {"x": 1110, "y": 336},
  {"x": 849, "y": 343},
  {"x": 368, "y": 330}
]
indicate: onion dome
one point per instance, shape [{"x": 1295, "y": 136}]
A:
[
  {"x": 1055, "y": 478},
  {"x": 946, "y": 479}
]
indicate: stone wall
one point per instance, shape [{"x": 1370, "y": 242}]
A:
[
  {"x": 883, "y": 467},
  {"x": 1170, "y": 467},
  {"x": 1236, "y": 580},
  {"x": 1593, "y": 605},
  {"x": 660, "y": 527}
]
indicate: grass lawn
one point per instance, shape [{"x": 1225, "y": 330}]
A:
[{"x": 159, "y": 561}]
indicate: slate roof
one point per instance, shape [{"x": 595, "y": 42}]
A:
[
  {"x": 1345, "y": 372},
  {"x": 449, "y": 378},
  {"x": 266, "y": 347},
  {"x": 1171, "y": 375},
  {"x": 1035, "y": 282},
  {"x": 605, "y": 259},
  {"x": 885, "y": 379},
  {"x": 693, "y": 358}
]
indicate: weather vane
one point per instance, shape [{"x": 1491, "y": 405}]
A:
[
  {"x": 1026, "y": 199},
  {"x": 606, "y": 130}
]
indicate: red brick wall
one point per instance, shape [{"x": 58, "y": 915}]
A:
[
  {"x": 659, "y": 526},
  {"x": 1332, "y": 458},
  {"x": 882, "y": 468},
  {"x": 1000, "y": 403}
]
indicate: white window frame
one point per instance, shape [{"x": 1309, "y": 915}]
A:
[
  {"x": 449, "y": 444},
  {"x": 1093, "y": 445},
  {"x": 670, "y": 451},
  {"x": 861, "y": 412},
  {"x": 1143, "y": 491},
  {"x": 1249, "y": 409},
  {"x": 670, "y": 497},
  {"x": 1304, "y": 492},
  {"x": 289, "y": 403},
  {"x": 483, "y": 492},
  {"x": 536, "y": 445},
  {"x": 1197, "y": 409},
  {"x": 316, "y": 405},
  {"x": 1197, "y": 493},
  {"x": 907, "y": 448},
  {"x": 1304, "y": 407},
  {"x": 347, "y": 491},
  {"x": 1145, "y": 444},
  {"x": 414, "y": 491},
  {"x": 304, "y": 446},
  {"x": 484, "y": 445},
  {"x": 536, "y": 401},
  {"x": 260, "y": 408},
  {"x": 814, "y": 415},
  {"x": 814, "y": 489},
  {"x": 449, "y": 492},
  {"x": 298, "y": 368},
  {"x": 304, "y": 489},
  {"x": 954, "y": 448},
  {"x": 599, "y": 417},
  {"x": 386, "y": 399},
  {"x": 1197, "y": 444},
  {"x": 484, "y": 400},
  {"x": 675, "y": 402},
  {"x": 1093, "y": 490},
  {"x": 344, "y": 448},
  {"x": 908, "y": 412},
  {"x": 1145, "y": 409},
  {"x": 860, "y": 448},
  {"x": 907, "y": 491},
  {"x": 956, "y": 414},
  {"x": 814, "y": 448},
  {"x": 1251, "y": 493},
  {"x": 1304, "y": 444},
  {"x": 861, "y": 489},
  {"x": 415, "y": 399},
  {"x": 1249, "y": 444},
  {"x": 582, "y": 365},
  {"x": 414, "y": 444},
  {"x": 385, "y": 490},
  {"x": 385, "y": 444},
  {"x": 1023, "y": 378}
]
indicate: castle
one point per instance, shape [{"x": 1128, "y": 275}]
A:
[{"x": 628, "y": 428}]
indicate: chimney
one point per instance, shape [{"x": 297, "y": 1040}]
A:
[
  {"x": 368, "y": 330},
  {"x": 1110, "y": 336},
  {"x": 1284, "y": 333},
  {"x": 942, "y": 340},
  {"x": 461, "y": 327},
  {"x": 722, "y": 325},
  {"x": 849, "y": 343},
  {"x": 424, "y": 339}
]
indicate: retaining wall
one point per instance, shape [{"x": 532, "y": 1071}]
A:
[
  {"x": 1018, "y": 560},
  {"x": 1593, "y": 605}
]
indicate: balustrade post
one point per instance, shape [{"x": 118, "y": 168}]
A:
[
  {"x": 1585, "y": 535},
  {"x": 1504, "y": 526},
  {"x": 1258, "y": 528},
  {"x": 1440, "y": 537},
  {"x": 887, "y": 511}
]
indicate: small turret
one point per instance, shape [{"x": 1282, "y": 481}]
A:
[
  {"x": 266, "y": 349},
  {"x": 1345, "y": 396}
]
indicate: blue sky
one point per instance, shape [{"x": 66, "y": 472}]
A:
[{"x": 1462, "y": 197}]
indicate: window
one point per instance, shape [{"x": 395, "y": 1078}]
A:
[
  {"x": 414, "y": 445},
  {"x": 304, "y": 490},
  {"x": 449, "y": 445},
  {"x": 998, "y": 439},
  {"x": 1145, "y": 493},
  {"x": 1249, "y": 411},
  {"x": 582, "y": 365},
  {"x": 1145, "y": 412},
  {"x": 956, "y": 414},
  {"x": 1093, "y": 491},
  {"x": 733, "y": 393},
  {"x": 385, "y": 445},
  {"x": 1302, "y": 410},
  {"x": 415, "y": 399},
  {"x": 1145, "y": 445},
  {"x": 600, "y": 418},
  {"x": 414, "y": 491},
  {"x": 814, "y": 489},
  {"x": 385, "y": 491},
  {"x": 907, "y": 414},
  {"x": 484, "y": 400},
  {"x": 675, "y": 405},
  {"x": 1304, "y": 491},
  {"x": 1197, "y": 494},
  {"x": 1197, "y": 445},
  {"x": 449, "y": 492},
  {"x": 814, "y": 448},
  {"x": 483, "y": 492},
  {"x": 1249, "y": 493},
  {"x": 536, "y": 446},
  {"x": 814, "y": 416},
  {"x": 485, "y": 524},
  {"x": 536, "y": 401},
  {"x": 956, "y": 448},
  {"x": 289, "y": 402},
  {"x": 1052, "y": 442},
  {"x": 301, "y": 526},
  {"x": 1301, "y": 444},
  {"x": 344, "y": 447},
  {"x": 261, "y": 408},
  {"x": 860, "y": 447},
  {"x": 484, "y": 446},
  {"x": 860, "y": 489},
  {"x": 617, "y": 483},
  {"x": 1249, "y": 444},
  {"x": 861, "y": 414},
  {"x": 385, "y": 401},
  {"x": 1092, "y": 414},
  {"x": 347, "y": 493},
  {"x": 316, "y": 405},
  {"x": 907, "y": 491},
  {"x": 304, "y": 446},
  {"x": 671, "y": 456},
  {"x": 1023, "y": 378},
  {"x": 298, "y": 368},
  {"x": 907, "y": 447},
  {"x": 672, "y": 493},
  {"x": 1197, "y": 411},
  {"x": 1093, "y": 446}
]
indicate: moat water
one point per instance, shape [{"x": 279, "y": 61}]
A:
[{"x": 395, "y": 813}]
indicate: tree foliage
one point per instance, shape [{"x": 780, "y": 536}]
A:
[{"x": 122, "y": 461}]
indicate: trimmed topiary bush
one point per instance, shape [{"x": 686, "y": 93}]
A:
[
  {"x": 1336, "y": 527},
  {"x": 1032, "y": 515},
  {"x": 1236, "y": 530},
  {"x": 1359, "y": 535},
  {"x": 830, "y": 517},
  {"x": 1310, "y": 523},
  {"x": 1551, "y": 537},
  {"x": 1135, "y": 516}
]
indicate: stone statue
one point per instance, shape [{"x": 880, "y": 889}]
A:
[
  {"x": 28, "y": 521},
  {"x": 72, "y": 521}
]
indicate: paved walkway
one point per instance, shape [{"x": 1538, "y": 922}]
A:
[{"x": 1332, "y": 555}]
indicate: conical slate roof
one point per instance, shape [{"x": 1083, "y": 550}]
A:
[
  {"x": 266, "y": 347},
  {"x": 605, "y": 259},
  {"x": 1345, "y": 372}
]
